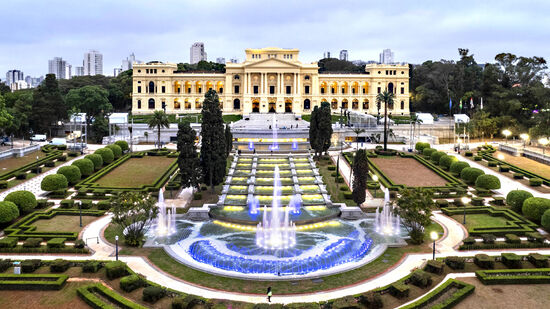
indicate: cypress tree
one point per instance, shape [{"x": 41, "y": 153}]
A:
[
  {"x": 360, "y": 172},
  {"x": 188, "y": 158},
  {"x": 228, "y": 140},
  {"x": 48, "y": 106},
  {"x": 213, "y": 147},
  {"x": 324, "y": 127},
  {"x": 313, "y": 133}
]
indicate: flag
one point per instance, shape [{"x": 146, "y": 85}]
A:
[
  {"x": 450, "y": 104},
  {"x": 481, "y": 104},
  {"x": 460, "y": 105},
  {"x": 471, "y": 103}
]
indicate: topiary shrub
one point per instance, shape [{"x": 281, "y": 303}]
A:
[
  {"x": 477, "y": 201},
  {"x": 436, "y": 156},
  {"x": 25, "y": 200},
  {"x": 484, "y": 261},
  {"x": 86, "y": 204},
  {"x": 427, "y": 152},
  {"x": 488, "y": 182},
  {"x": 66, "y": 204},
  {"x": 535, "y": 237},
  {"x": 420, "y": 146},
  {"x": 504, "y": 168},
  {"x": 86, "y": 166},
  {"x": 62, "y": 158},
  {"x": 421, "y": 278},
  {"x": 123, "y": 145},
  {"x": 446, "y": 161},
  {"x": 54, "y": 182},
  {"x": 371, "y": 300},
  {"x": 469, "y": 241},
  {"x": 488, "y": 238},
  {"x": 515, "y": 199},
  {"x": 130, "y": 283},
  {"x": 49, "y": 164},
  {"x": 21, "y": 175},
  {"x": 478, "y": 158},
  {"x": 435, "y": 267},
  {"x": 115, "y": 269},
  {"x": 59, "y": 266},
  {"x": 534, "y": 207},
  {"x": 8, "y": 211},
  {"x": 103, "y": 205},
  {"x": 442, "y": 203},
  {"x": 8, "y": 242},
  {"x": 545, "y": 220},
  {"x": 29, "y": 266},
  {"x": 535, "y": 182},
  {"x": 492, "y": 163},
  {"x": 153, "y": 293},
  {"x": 468, "y": 154},
  {"x": 512, "y": 239},
  {"x": 91, "y": 267},
  {"x": 72, "y": 173},
  {"x": 399, "y": 290},
  {"x": 538, "y": 260},
  {"x": 32, "y": 242},
  {"x": 457, "y": 166},
  {"x": 3, "y": 184},
  {"x": 511, "y": 260},
  {"x": 106, "y": 154},
  {"x": 96, "y": 159},
  {"x": 518, "y": 176},
  {"x": 79, "y": 244},
  {"x": 56, "y": 243},
  {"x": 117, "y": 151},
  {"x": 470, "y": 174}
]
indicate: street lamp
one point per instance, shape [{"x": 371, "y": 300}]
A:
[
  {"x": 116, "y": 247},
  {"x": 506, "y": 133},
  {"x": 434, "y": 236},
  {"x": 525, "y": 138},
  {"x": 375, "y": 178},
  {"x": 37, "y": 166},
  {"x": 543, "y": 141},
  {"x": 465, "y": 200}
]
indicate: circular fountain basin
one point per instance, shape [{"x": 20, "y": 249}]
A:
[{"x": 241, "y": 215}]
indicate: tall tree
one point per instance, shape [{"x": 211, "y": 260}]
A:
[
  {"x": 188, "y": 158},
  {"x": 414, "y": 207},
  {"x": 48, "y": 107},
  {"x": 19, "y": 105},
  {"x": 213, "y": 149},
  {"x": 134, "y": 212},
  {"x": 228, "y": 140},
  {"x": 92, "y": 100},
  {"x": 313, "y": 130},
  {"x": 159, "y": 119},
  {"x": 360, "y": 173},
  {"x": 120, "y": 91},
  {"x": 385, "y": 98},
  {"x": 6, "y": 119},
  {"x": 320, "y": 129}
]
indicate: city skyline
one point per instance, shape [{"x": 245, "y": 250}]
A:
[{"x": 155, "y": 33}]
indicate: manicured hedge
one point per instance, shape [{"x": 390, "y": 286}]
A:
[
  {"x": 56, "y": 243},
  {"x": 488, "y": 182},
  {"x": 130, "y": 283},
  {"x": 86, "y": 166},
  {"x": 24, "y": 200},
  {"x": 455, "y": 262},
  {"x": 32, "y": 282},
  {"x": 8, "y": 242},
  {"x": 427, "y": 152},
  {"x": 538, "y": 260},
  {"x": 87, "y": 294},
  {"x": 106, "y": 154},
  {"x": 457, "y": 166},
  {"x": 436, "y": 156},
  {"x": 123, "y": 145},
  {"x": 545, "y": 220},
  {"x": 514, "y": 276},
  {"x": 153, "y": 293},
  {"x": 8, "y": 211},
  {"x": 117, "y": 151},
  {"x": 54, "y": 182},
  {"x": 115, "y": 269},
  {"x": 446, "y": 161},
  {"x": 96, "y": 159},
  {"x": 420, "y": 146},
  {"x": 534, "y": 207},
  {"x": 463, "y": 291},
  {"x": 515, "y": 199},
  {"x": 72, "y": 173},
  {"x": 535, "y": 182},
  {"x": 484, "y": 261},
  {"x": 470, "y": 174},
  {"x": 511, "y": 260}
]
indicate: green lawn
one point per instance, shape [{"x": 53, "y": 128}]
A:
[
  {"x": 64, "y": 298},
  {"x": 136, "y": 172},
  {"x": 333, "y": 188},
  {"x": 10, "y": 164},
  {"x": 476, "y": 220},
  {"x": 62, "y": 223}
]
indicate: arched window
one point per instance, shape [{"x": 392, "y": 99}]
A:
[
  {"x": 236, "y": 104},
  {"x": 344, "y": 103},
  {"x": 139, "y": 104},
  {"x": 402, "y": 104},
  {"x": 390, "y": 105},
  {"x": 334, "y": 104},
  {"x": 306, "y": 77},
  {"x": 307, "y": 104},
  {"x": 151, "y": 87},
  {"x": 365, "y": 104},
  {"x": 390, "y": 88},
  {"x": 177, "y": 104},
  {"x": 151, "y": 103},
  {"x": 355, "y": 104},
  {"x": 236, "y": 77}
]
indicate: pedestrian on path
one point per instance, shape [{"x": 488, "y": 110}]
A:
[{"x": 269, "y": 293}]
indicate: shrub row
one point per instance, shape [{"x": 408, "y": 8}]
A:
[{"x": 42, "y": 282}]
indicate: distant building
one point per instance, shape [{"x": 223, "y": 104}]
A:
[
  {"x": 68, "y": 71},
  {"x": 326, "y": 54},
  {"x": 79, "y": 71},
  {"x": 220, "y": 60},
  {"x": 128, "y": 63},
  {"x": 93, "y": 63},
  {"x": 12, "y": 76},
  {"x": 57, "y": 66},
  {"x": 359, "y": 62},
  {"x": 19, "y": 85},
  {"x": 386, "y": 56},
  {"x": 116, "y": 71},
  {"x": 33, "y": 81},
  {"x": 197, "y": 53},
  {"x": 234, "y": 60},
  {"x": 344, "y": 54}
]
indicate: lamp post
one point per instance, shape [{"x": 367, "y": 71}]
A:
[
  {"x": 465, "y": 200},
  {"x": 37, "y": 167},
  {"x": 434, "y": 236},
  {"x": 525, "y": 138},
  {"x": 506, "y": 133},
  {"x": 543, "y": 141},
  {"x": 375, "y": 178},
  {"x": 116, "y": 247}
]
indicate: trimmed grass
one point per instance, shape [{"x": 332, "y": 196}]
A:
[
  {"x": 65, "y": 298},
  {"x": 63, "y": 223},
  {"x": 526, "y": 164},
  {"x": 136, "y": 172},
  {"x": 10, "y": 164},
  {"x": 476, "y": 220},
  {"x": 408, "y": 172}
]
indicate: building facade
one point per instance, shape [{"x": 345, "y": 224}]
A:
[
  {"x": 57, "y": 66},
  {"x": 386, "y": 56},
  {"x": 269, "y": 80},
  {"x": 93, "y": 63},
  {"x": 197, "y": 53},
  {"x": 12, "y": 76},
  {"x": 344, "y": 54}
]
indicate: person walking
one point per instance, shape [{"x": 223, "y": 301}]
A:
[{"x": 269, "y": 293}]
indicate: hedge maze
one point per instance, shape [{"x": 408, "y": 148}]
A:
[{"x": 52, "y": 154}]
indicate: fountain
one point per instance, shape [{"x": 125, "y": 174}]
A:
[
  {"x": 275, "y": 144},
  {"x": 166, "y": 220},
  {"x": 276, "y": 232},
  {"x": 386, "y": 222}
]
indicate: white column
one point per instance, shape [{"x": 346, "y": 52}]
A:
[
  {"x": 244, "y": 83},
  {"x": 295, "y": 78},
  {"x": 299, "y": 87},
  {"x": 248, "y": 86},
  {"x": 261, "y": 83}
]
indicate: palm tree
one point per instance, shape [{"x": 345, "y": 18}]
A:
[
  {"x": 386, "y": 98},
  {"x": 158, "y": 120},
  {"x": 358, "y": 131}
]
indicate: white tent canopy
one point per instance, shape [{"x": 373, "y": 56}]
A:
[
  {"x": 461, "y": 118},
  {"x": 425, "y": 118},
  {"x": 78, "y": 117},
  {"x": 118, "y": 118}
]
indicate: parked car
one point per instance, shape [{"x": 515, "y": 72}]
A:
[
  {"x": 58, "y": 141},
  {"x": 38, "y": 138},
  {"x": 5, "y": 141},
  {"x": 77, "y": 146}
]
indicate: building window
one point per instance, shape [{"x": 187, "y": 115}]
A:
[
  {"x": 353, "y": 90},
  {"x": 256, "y": 89},
  {"x": 402, "y": 90},
  {"x": 355, "y": 104},
  {"x": 306, "y": 77},
  {"x": 334, "y": 104},
  {"x": 366, "y": 104},
  {"x": 210, "y": 88},
  {"x": 307, "y": 104},
  {"x": 332, "y": 90},
  {"x": 402, "y": 104},
  {"x": 236, "y": 89},
  {"x": 322, "y": 90},
  {"x": 151, "y": 87},
  {"x": 220, "y": 90},
  {"x": 163, "y": 89},
  {"x": 288, "y": 89},
  {"x": 189, "y": 90},
  {"x": 139, "y": 89},
  {"x": 379, "y": 90},
  {"x": 177, "y": 104},
  {"x": 151, "y": 103},
  {"x": 364, "y": 90},
  {"x": 199, "y": 90},
  {"x": 163, "y": 104},
  {"x": 236, "y": 104},
  {"x": 236, "y": 77},
  {"x": 271, "y": 89},
  {"x": 343, "y": 90},
  {"x": 139, "y": 104},
  {"x": 306, "y": 90}
]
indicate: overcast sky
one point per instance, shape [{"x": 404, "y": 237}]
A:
[{"x": 34, "y": 31}]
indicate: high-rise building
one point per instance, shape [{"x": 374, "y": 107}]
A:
[
  {"x": 116, "y": 71},
  {"x": 344, "y": 54},
  {"x": 79, "y": 71},
  {"x": 18, "y": 85},
  {"x": 57, "y": 66},
  {"x": 93, "y": 63},
  {"x": 128, "y": 63},
  {"x": 33, "y": 81},
  {"x": 68, "y": 71},
  {"x": 220, "y": 60},
  {"x": 386, "y": 56},
  {"x": 234, "y": 60},
  {"x": 326, "y": 54},
  {"x": 12, "y": 76},
  {"x": 197, "y": 53}
]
